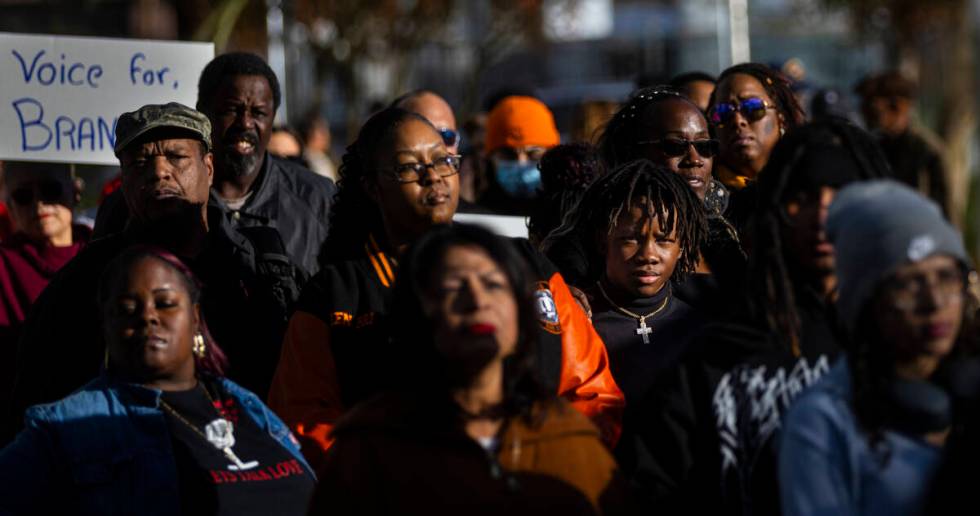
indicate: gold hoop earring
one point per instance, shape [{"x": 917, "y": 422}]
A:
[{"x": 198, "y": 347}]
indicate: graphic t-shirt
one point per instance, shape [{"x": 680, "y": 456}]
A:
[{"x": 266, "y": 479}]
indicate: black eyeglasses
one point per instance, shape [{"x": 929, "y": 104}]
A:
[
  {"x": 48, "y": 192},
  {"x": 449, "y": 137},
  {"x": 752, "y": 108},
  {"x": 444, "y": 166},
  {"x": 677, "y": 147}
]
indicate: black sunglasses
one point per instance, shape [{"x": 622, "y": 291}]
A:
[
  {"x": 449, "y": 137},
  {"x": 677, "y": 147},
  {"x": 48, "y": 192},
  {"x": 752, "y": 108}
]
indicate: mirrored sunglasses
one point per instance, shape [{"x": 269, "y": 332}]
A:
[{"x": 752, "y": 108}]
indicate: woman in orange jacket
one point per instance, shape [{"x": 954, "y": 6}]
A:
[
  {"x": 397, "y": 181},
  {"x": 469, "y": 429}
]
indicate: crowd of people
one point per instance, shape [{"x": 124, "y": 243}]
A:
[{"x": 723, "y": 306}]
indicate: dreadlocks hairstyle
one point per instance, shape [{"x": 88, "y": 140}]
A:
[
  {"x": 566, "y": 171},
  {"x": 777, "y": 86},
  {"x": 664, "y": 193},
  {"x": 772, "y": 294},
  {"x": 617, "y": 143},
  {"x": 229, "y": 65},
  {"x": 354, "y": 213}
]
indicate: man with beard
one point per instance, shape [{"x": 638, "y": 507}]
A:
[
  {"x": 167, "y": 169},
  {"x": 240, "y": 95}
]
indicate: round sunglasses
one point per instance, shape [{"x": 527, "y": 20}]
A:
[
  {"x": 48, "y": 192},
  {"x": 449, "y": 137},
  {"x": 677, "y": 147},
  {"x": 752, "y": 108}
]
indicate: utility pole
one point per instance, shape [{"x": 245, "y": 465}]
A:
[
  {"x": 738, "y": 23},
  {"x": 275, "y": 30}
]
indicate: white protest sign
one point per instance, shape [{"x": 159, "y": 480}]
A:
[
  {"x": 60, "y": 97},
  {"x": 503, "y": 225}
]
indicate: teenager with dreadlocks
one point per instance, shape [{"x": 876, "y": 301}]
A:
[
  {"x": 705, "y": 437},
  {"x": 665, "y": 127},
  {"x": 399, "y": 180},
  {"x": 868, "y": 437},
  {"x": 642, "y": 226}
]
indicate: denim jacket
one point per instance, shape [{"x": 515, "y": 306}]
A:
[{"x": 106, "y": 450}]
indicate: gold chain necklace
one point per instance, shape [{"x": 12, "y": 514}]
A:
[
  {"x": 220, "y": 433},
  {"x": 643, "y": 331}
]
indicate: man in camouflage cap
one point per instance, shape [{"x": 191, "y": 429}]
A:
[{"x": 165, "y": 154}]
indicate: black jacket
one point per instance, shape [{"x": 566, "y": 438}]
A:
[
  {"x": 702, "y": 441},
  {"x": 61, "y": 347},
  {"x": 293, "y": 200}
]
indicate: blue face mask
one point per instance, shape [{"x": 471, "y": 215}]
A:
[{"x": 520, "y": 180}]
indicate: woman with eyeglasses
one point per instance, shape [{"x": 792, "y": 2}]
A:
[
  {"x": 750, "y": 109},
  {"x": 40, "y": 197},
  {"x": 867, "y": 438},
  {"x": 399, "y": 179}
]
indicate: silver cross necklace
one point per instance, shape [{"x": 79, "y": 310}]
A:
[{"x": 643, "y": 331}]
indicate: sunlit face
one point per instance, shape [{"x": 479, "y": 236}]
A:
[
  {"x": 640, "y": 255},
  {"x": 672, "y": 123},
  {"x": 411, "y": 208},
  {"x": 745, "y": 143},
  {"x": 919, "y": 308},
  {"x": 471, "y": 298},
  {"x": 242, "y": 112},
  {"x": 805, "y": 235},
  {"x": 165, "y": 178},
  {"x": 40, "y": 203},
  {"x": 150, "y": 323}
]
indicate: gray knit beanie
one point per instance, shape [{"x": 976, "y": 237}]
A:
[{"x": 877, "y": 226}]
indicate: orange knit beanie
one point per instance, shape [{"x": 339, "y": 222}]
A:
[{"x": 520, "y": 122}]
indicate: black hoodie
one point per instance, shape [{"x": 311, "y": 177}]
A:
[{"x": 702, "y": 441}]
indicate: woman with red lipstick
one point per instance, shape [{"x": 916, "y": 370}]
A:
[
  {"x": 398, "y": 180},
  {"x": 160, "y": 431},
  {"x": 867, "y": 438},
  {"x": 647, "y": 225},
  {"x": 468, "y": 427}
]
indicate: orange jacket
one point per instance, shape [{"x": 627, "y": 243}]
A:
[{"x": 306, "y": 389}]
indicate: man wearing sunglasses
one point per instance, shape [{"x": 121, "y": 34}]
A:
[{"x": 40, "y": 197}]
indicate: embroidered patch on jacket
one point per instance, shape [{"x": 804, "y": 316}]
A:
[
  {"x": 544, "y": 301},
  {"x": 342, "y": 319}
]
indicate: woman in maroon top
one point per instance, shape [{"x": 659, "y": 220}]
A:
[{"x": 40, "y": 198}]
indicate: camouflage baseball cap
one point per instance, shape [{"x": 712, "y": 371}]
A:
[{"x": 134, "y": 124}]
